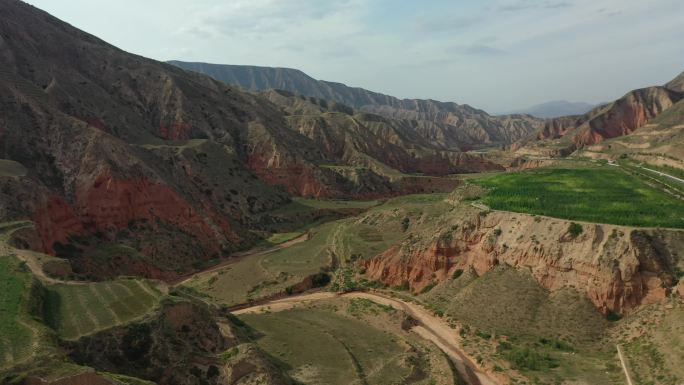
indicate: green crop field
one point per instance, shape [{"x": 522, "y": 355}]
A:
[
  {"x": 320, "y": 346},
  {"x": 75, "y": 310},
  {"x": 602, "y": 194},
  {"x": 21, "y": 337}
]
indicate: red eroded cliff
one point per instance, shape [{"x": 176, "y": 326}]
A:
[
  {"x": 55, "y": 221},
  {"x": 618, "y": 268},
  {"x": 111, "y": 203},
  {"x": 297, "y": 179}
]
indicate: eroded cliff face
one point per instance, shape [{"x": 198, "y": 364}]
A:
[
  {"x": 619, "y": 268},
  {"x": 625, "y": 115},
  {"x": 621, "y": 117}
]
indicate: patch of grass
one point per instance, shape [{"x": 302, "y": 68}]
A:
[
  {"x": 510, "y": 302},
  {"x": 602, "y": 194},
  {"x": 655, "y": 357},
  {"x": 228, "y": 354},
  {"x": 305, "y": 204},
  {"x": 261, "y": 275},
  {"x": 528, "y": 358},
  {"x": 10, "y": 168},
  {"x": 359, "y": 306},
  {"x": 428, "y": 287},
  {"x": 278, "y": 238},
  {"x": 318, "y": 346},
  {"x": 78, "y": 310},
  {"x": 21, "y": 337}
]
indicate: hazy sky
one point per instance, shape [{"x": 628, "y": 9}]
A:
[{"x": 492, "y": 54}]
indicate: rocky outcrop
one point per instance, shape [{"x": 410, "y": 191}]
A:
[
  {"x": 625, "y": 115},
  {"x": 639, "y": 108},
  {"x": 622, "y": 117},
  {"x": 559, "y": 127},
  {"x": 618, "y": 268},
  {"x": 676, "y": 84},
  {"x": 177, "y": 346},
  {"x": 181, "y": 344}
]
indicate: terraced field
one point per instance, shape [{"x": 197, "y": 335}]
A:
[
  {"x": 347, "y": 342},
  {"x": 75, "y": 310},
  {"x": 21, "y": 337},
  {"x": 604, "y": 194}
]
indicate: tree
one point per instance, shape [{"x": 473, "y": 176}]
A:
[{"x": 575, "y": 229}]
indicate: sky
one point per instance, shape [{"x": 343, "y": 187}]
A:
[{"x": 498, "y": 55}]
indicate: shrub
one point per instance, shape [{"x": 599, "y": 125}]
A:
[
  {"x": 320, "y": 280},
  {"x": 557, "y": 344},
  {"x": 529, "y": 359},
  {"x": 483, "y": 335},
  {"x": 429, "y": 287},
  {"x": 457, "y": 273},
  {"x": 575, "y": 229},
  {"x": 504, "y": 345},
  {"x": 405, "y": 223},
  {"x": 613, "y": 316}
]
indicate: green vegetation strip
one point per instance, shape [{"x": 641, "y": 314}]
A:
[
  {"x": 78, "y": 310},
  {"x": 15, "y": 337},
  {"x": 603, "y": 195},
  {"x": 22, "y": 337}
]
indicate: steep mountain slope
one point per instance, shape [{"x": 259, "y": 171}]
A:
[
  {"x": 131, "y": 166},
  {"x": 386, "y": 146},
  {"x": 449, "y": 124},
  {"x": 676, "y": 84},
  {"x": 555, "y": 109},
  {"x": 562, "y": 136},
  {"x": 119, "y": 149},
  {"x": 660, "y": 142}
]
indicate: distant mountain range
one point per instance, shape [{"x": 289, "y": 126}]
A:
[
  {"x": 452, "y": 125},
  {"x": 555, "y": 109},
  {"x": 645, "y": 123}
]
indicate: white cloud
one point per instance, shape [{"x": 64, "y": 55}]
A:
[{"x": 494, "y": 54}]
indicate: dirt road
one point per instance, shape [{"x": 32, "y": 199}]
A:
[
  {"x": 430, "y": 327},
  {"x": 624, "y": 365},
  {"x": 672, "y": 177}
]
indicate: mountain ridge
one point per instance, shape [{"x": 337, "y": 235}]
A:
[{"x": 448, "y": 118}]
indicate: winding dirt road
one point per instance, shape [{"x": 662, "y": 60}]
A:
[{"x": 429, "y": 327}]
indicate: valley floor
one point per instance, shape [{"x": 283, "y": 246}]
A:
[{"x": 421, "y": 289}]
